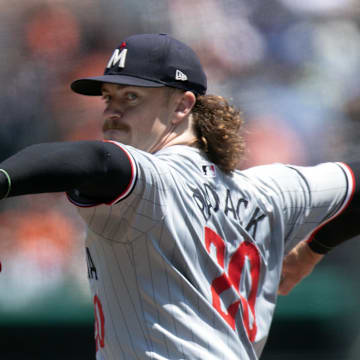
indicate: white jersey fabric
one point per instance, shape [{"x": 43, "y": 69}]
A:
[{"x": 186, "y": 263}]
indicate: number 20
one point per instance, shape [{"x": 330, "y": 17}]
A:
[{"x": 232, "y": 279}]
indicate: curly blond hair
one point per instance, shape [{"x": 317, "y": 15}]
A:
[{"x": 217, "y": 125}]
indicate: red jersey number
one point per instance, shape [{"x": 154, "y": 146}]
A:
[
  {"x": 99, "y": 324},
  {"x": 232, "y": 279}
]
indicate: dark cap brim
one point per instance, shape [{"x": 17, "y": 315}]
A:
[{"x": 92, "y": 85}]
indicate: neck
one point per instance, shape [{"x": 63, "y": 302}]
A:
[{"x": 174, "y": 135}]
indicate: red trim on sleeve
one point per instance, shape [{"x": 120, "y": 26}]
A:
[{"x": 349, "y": 196}]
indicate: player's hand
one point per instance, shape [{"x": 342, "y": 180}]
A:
[{"x": 298, "y": 264}]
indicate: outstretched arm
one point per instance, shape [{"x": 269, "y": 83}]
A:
[
  {"x": 303, "y": 258},
  {"x": 99, "y": 170}
]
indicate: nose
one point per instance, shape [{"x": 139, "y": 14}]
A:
[{"x": 113, "y": 108}]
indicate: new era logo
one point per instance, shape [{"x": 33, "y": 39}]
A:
[{"x": 179, "y": 75}]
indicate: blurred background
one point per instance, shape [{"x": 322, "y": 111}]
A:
[{"x": 291, "y": 66}]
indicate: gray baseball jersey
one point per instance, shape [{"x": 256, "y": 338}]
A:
[{"x": 186, "y": 263}]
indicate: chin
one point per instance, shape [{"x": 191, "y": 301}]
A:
[{"x": 117, "y": 135}]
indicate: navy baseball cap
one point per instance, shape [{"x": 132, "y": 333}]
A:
[{"x": 149, "y": 60}]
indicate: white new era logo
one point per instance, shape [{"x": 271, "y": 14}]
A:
[{"x": 179, "y": 75}]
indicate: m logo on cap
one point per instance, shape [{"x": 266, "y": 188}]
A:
[{"x": 119, "y": 56}]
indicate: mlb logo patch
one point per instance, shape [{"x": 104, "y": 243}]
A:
[{"x": 208, "y": 170}]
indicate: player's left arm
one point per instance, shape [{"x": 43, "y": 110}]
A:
[
  {"x": 98, "y": 170},
  {"x": 303, "y": 258}
]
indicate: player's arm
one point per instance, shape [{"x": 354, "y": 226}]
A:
[
  {"x": 98, "y": 170},
  {"x": 301, "y": 260}
]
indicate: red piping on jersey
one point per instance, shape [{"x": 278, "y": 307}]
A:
[
  {"x": 131, "y": 182},
  {"x": 345, "y": 205}
]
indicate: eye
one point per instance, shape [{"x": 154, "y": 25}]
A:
[{"x": 130, "y": 96}]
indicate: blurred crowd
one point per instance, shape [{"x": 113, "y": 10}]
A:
[{"x": 291, "y": 66}]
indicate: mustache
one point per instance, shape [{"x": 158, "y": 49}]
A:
[{"x": 114, "y": 123}]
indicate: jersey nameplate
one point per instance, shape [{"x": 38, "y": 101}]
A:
[{"x": 208, "y": 201}]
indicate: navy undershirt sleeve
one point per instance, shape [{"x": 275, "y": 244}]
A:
[
  {"x": 345, "y": 226},
  {"x": 98, "y": 170}
]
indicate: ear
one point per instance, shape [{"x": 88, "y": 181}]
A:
[{"x": 184, "y": 104}]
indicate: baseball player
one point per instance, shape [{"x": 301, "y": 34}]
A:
[{"x": 184, "y": 252}]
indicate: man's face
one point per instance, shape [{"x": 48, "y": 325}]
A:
[{"x": 135, "y": 116}]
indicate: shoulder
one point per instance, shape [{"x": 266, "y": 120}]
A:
[
  {"x": 170, "y": 166},
  {"x": 178, "y": 159}
]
